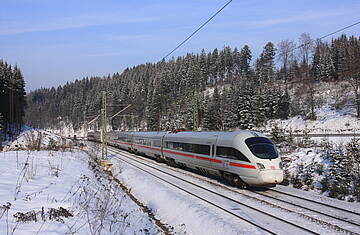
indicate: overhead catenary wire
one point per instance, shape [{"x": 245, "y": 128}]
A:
[
  {"x": 198, "y": 29},
  {"x": 339, "y": 30},
  {"x": 326, "y": 35}
]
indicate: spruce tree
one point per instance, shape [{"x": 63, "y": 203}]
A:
[
  {"x": 265, "y": 64},
  {"x": 213, "y": 112},
  {"x": 245, "y": 60},
  {"x": 283, "y": 105},
  {"x": 353, "y": 154},
  {"x": 229, "y": 109},
  {"x": 340, "y": 182}
]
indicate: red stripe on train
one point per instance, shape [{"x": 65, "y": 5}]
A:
[
  {"x": 242, "y": 165},
  {"x": 194, "y": 156}
]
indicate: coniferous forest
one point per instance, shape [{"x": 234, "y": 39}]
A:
[
  {"x": 12, "y": 99},
  {"x": 219, "y": 90}
]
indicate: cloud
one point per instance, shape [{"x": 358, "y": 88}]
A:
[
  {"x": 16, "y": 27},
  {"x": 128, "y": 37},
  {"x": 297, "y": 17},
  {"x": 105, "y": 54}
]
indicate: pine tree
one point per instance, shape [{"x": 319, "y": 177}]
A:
[
  {"x": 246, "y": 108},
  {"x": 265, "y": 64},
  {"x": 283, "y": 110},
  {"x": 229, "y": 109},
  {"x": 353, "y": 155},
  {"x": 245, "y": 60},
  {"x": 339, "y": 174},
  {"x": 213, "y": 112},
  {"x": 214, "y": 66},
  {"x": 323, "y": 65},
  {"x": 204, "y": 69}
]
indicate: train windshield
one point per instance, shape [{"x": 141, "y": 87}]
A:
[{"x": 262, "y": 147}]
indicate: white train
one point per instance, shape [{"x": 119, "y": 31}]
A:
[{"x": 240, "y": 157}]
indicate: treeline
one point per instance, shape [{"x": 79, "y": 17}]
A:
[
  {"x": 218, "y": 90},
  {"x": 12, "y": 99}
]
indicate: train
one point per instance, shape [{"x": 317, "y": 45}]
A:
[{"x": 242, "y": 158}]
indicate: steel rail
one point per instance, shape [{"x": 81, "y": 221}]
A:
[{"x": 208, "y": 190}]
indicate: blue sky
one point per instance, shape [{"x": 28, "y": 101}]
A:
[{"x": 54, "y": 41}]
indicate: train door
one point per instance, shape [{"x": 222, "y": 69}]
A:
[
  {"x": 213, "y": 153},
  {"x": 219, "y": 161},
  {"x": 162, "y": 146}
]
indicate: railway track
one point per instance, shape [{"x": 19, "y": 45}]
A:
[
  {"x": 344, "y": 215},
  {"x": 332, "y": 226}
]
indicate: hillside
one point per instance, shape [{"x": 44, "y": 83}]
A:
[{"x": 245, "y": 93}]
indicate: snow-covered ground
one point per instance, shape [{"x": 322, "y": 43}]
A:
[
  {"x": 329, "y": 121},
  {"x": 33, "y": 139},
  {"x": 57, "y": 193},
  {"x": 189, "y": 215}
]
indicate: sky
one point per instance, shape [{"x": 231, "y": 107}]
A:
[{"x": 56, "y": 41}]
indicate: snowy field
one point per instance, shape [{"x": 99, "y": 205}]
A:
[{"x": 49, "y": 192}]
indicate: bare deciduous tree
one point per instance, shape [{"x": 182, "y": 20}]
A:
[
  {"x": 306, "y": 47},
  {"x": 286, "y": 50}
]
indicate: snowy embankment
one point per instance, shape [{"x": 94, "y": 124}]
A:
[
  {"x": 328, "y": 163},
  {"x": 52, "y": 192},
  {"x": 331, "y": 170},
  {"x": 329, "y": 121},
  {"x": 38, "y": 139}
]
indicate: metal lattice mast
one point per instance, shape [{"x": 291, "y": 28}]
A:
[{"x": 103, "y": 128}]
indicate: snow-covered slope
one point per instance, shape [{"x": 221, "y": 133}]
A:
[
  {"x": 329, "y": 121},
  {"x": 50, "y": 192},
  {"x": 34, "y": 139}
]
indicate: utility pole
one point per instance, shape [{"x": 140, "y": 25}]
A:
[{"x": 103, "y": 128}]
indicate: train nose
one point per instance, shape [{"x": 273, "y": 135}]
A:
[{"x": 272, "y": 176}]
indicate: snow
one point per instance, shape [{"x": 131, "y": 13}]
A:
[
  {"x": 177, "y": 208},
  {"x": 315, "y": 163},
  {"x": 188, "y": 214},
  {"x": 31, "y": 181},
  {"x": 47, "y": 179},
  {"x": 329, "y": 121},
  {"x": 37, "y": 139}
]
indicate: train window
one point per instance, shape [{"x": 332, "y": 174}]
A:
[
  {"x": 256, "y": 140},
  {"x": 157, "y": 143},
  {"x": 139, "y": 141},
  {"x": 199, "y": 148},
  {"x": 231, "y": 153},
  {"x": 186, "y": 147},
  {"x": 262, "y": 147}
]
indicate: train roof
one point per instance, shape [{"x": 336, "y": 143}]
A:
[
  {"x": 229, "y": 135},
  {"x": 193, "y": 135}
]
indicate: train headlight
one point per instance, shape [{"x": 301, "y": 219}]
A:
[
  {"x": 260, "y": 166},
  {"x": 280, "y": 165}
]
